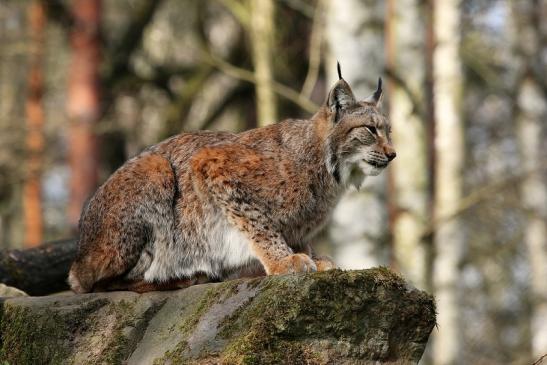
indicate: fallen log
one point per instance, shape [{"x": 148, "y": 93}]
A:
[{"x": 38, "y": 271}]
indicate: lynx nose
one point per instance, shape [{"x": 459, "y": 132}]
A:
[{"x": 389, "y": 151}]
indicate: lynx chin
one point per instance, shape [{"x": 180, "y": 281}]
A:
[{"x": 211, "y": 206}]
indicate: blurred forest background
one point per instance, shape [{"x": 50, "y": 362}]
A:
[{"x": 462, "y": 210}]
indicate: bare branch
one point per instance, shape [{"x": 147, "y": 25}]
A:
[
  {"x": 177, "y": 111},
  {"x": 315, "y": 50},
  {"x": 238, "y": 92},
  {"x": 246, "y": 75},
  {"x": 303, "y": 7},
  {"x": 262, "y": 43},
  {"x": 238, "y": 10},
  {"x": 417, "y": 106},
  {"x": 479, "y": 195},
  {"x": 120, "y": 54},
  {"x": 540, "y": 360}
]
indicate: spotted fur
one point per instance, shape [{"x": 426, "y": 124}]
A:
[{"x": 211, "y": 205}]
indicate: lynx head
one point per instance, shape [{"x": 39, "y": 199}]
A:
[{"x": 359, "y": 143}]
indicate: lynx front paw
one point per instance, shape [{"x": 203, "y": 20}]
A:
[
  {"x": 324, "y": 263},
  {"x": 296, "y": 263}
]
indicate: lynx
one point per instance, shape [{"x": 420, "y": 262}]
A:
[{"x": 210, "y": 206}]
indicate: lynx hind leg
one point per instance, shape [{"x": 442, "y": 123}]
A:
[
  {"x": 80, "y": 281},
  {"x": 98, "y": 266},
  {"x": 132, "y": 209},
  {"x": 103, "y": 258}
]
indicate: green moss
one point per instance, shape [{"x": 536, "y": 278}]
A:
[
  {"x": 124, "y": 313},
  {"x": 190, "y": 322},
  {"x": 16, "y": 273},
  {"x": 230, "y": 325},
  {"x": 175, "y": 356},
  {"x": 30, "y": 333},
  {"x": 262, "y": 322},
  {"x": 216, "y": 294},
  {"x": 27, "y": 336},
  {"x": 1, "y": 315},
  {"x": 229, "y": 289},
  {"x": 277, "y": 352},
  {"x": 281, "y": 319}
]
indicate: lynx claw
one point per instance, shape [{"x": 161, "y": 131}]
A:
[{"x": 297, "y": 263}]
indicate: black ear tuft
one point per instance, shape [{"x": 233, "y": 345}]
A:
[
  {"x": 376, "y": 97},
  {"x": 378, "y": 92},
  {"x": 339, "y": 70}
]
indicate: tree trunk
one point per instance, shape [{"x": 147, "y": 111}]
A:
[
  {"x": 406, "y": 60},
  {"x": 449, "y": 145},
  {"x": 354, "y": 37},
  {"x": 14, "y": 56},
  {"x": 262, "y": 39},
  {"x": 40, "y": 270},
  {"x": 530, "y": 120},
  {"x": 32, "y": 194},
  {"x": 83, "y": 105},
  {"x": 531, "y": 115}
]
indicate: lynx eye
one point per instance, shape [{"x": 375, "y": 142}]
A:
[{"x": 371, "y": 129}]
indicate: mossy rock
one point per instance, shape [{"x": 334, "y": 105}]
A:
[{"x": 335, "y": 317}]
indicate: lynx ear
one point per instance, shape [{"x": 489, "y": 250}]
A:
[
  {"x": 340, "y": 98},
  {"x": 376, "y": 98}
]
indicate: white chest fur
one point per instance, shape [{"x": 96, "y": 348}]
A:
[
  {"x": 230, "y": 247},
  {"x": 225, "y": 248}
]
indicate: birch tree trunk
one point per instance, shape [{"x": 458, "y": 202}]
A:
[
  {"x": 449, "y": 145},
  {"x": 83, "y": 104},
  {"x": 530, "y": 118},
  {"x": 406, "y": 59},
  {"x": 262, "y": 38},
  {"x": 32, "y": 188},
  {"x": 354, "y": 35}
]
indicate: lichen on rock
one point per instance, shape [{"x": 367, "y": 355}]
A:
[{"x": 9, "y": 291}]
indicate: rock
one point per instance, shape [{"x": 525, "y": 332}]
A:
[
  {"x": 335, "y": 317},
  {"x": 9, "y": 291}
]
